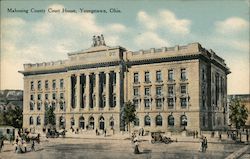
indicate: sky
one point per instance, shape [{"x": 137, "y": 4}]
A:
[{"x": 35, "y": 37}]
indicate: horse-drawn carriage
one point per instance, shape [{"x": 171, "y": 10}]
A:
[
  {"x": 55, "y": 133},
  {"x": 157, "y": 137}
]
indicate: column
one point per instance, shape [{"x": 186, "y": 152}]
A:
[
  {"x": 87, "y": 91},
  {"x": 97, "y": 93},
  {"x": 78, "y": 93},
  {"x": 107, "y": 90},
  {"x": 117, "y": 90},
  {"x": 68, "y": 103}
]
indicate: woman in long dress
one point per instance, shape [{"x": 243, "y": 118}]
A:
[{"x": 136, "y": 150}]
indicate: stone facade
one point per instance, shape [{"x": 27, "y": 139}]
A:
[{"x": 176, "y": 88}]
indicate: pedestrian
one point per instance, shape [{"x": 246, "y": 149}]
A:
[
  {"x": 105, "y": 132},
  {"x": 1, "y": 144},
  {"x": 201, "y": 144},
  {"x": 196, "y": 134},
  {"x": 247, "y": 135},
  {"x": 33, "y": 146},
  {"x": 220, "y": 135},
  {"x": 136, "y": 150},
  {"x": 142, "y": 132},
  {"x": 96, "y": 131},
  {"x": 205, "y": 144}
]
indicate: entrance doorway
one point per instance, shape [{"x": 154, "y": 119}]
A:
[{"x": 102, "y": 124}]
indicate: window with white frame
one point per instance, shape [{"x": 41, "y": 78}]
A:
[
  {"x": 147, "y": 77},
  {"x": 136, "y": 77},
  {"x": 158, "y": 76},
  {"x": 147, "y": 103},
  {"x": 183, "y": 74}
]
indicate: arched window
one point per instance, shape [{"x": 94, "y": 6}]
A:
[
  {"x": 111, "y": 122},
  {"x": 183, "y": 120},
  {"x": 38, "y": 120},
  {"x": 147, "y": 120},
  {"x": 31, "y": 120},
  {"x": 137, "y": 121},
  {"x": 91, "y": 123},
  {"x": 170, "y": 120},
  {"x": 81, "y": 122},
  {"x": 158, "y": 120},
  {"x": 72, "y": 121},
  {"x": 102, "y": 123}
]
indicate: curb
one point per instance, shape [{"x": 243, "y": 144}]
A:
[{"x": 238, "y": 153}]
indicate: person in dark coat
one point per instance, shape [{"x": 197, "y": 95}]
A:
[
  {"x": 33, "y": 146},
  {"x": 1, "y": 144}
]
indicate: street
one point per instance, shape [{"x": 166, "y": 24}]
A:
[{"x": 120, "y": 148}]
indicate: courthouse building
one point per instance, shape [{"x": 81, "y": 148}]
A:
[{"x": 172, "y": 88}]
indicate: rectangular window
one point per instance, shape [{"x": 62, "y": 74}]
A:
[
  {"x": 147, "y": 77},
  {"x": 61, "y": 84},
  {"x": 39, "y": 85},
  {"x": 32, "y": 85},
  {"x": 54, "y": 96},
  {"x": 158, "y": 103},
  {"x": 136, "y": 77},
  {"x": 170, "y": 90},
  {"x": 158, "y": 76},
  {"x": 46, "y": 84},
  {"x": 136, "y": 103},
  {"x": 136, "y": 91},
  {"x": 203, "y": 103},
  {"x": 170, "y": 102},
  {"x": 159, "y": 91},
  {"x": 147, "y": 103},
  {"x": 147, "y": 91},
  {"x": 39, "y": 96},
  {"x": 183, "y": 89},
  {"x": 54, "y": 84},
  {"x": 183, "y": 102},
  {"x": 203, "y": 74},
  {"x": 183, "y": 74},
  {"x": 61, "y": 95},
  {"x": 46, "y": 96},
  {"x": 170, "y": 75},
  {"x": 31, "y": 97}
]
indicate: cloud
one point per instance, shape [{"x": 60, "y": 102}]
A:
[
  {"x": 169, "y": 20},
  {"x": 164, "y": 19},
  {"x": 48, "y": 38},
  {"x": 150, "y": 39},
  {"x": 231, "y": 25},
  {"x": 146, "y": 20},
  {"x": 116, "y": 28}
]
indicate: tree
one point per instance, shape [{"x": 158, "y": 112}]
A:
[
  {"x": 129, "y": 114},
  {"x": 238, "y": 113},
  {"x": 12, "y": 117},
  {"x": 50, "y": 117}
]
